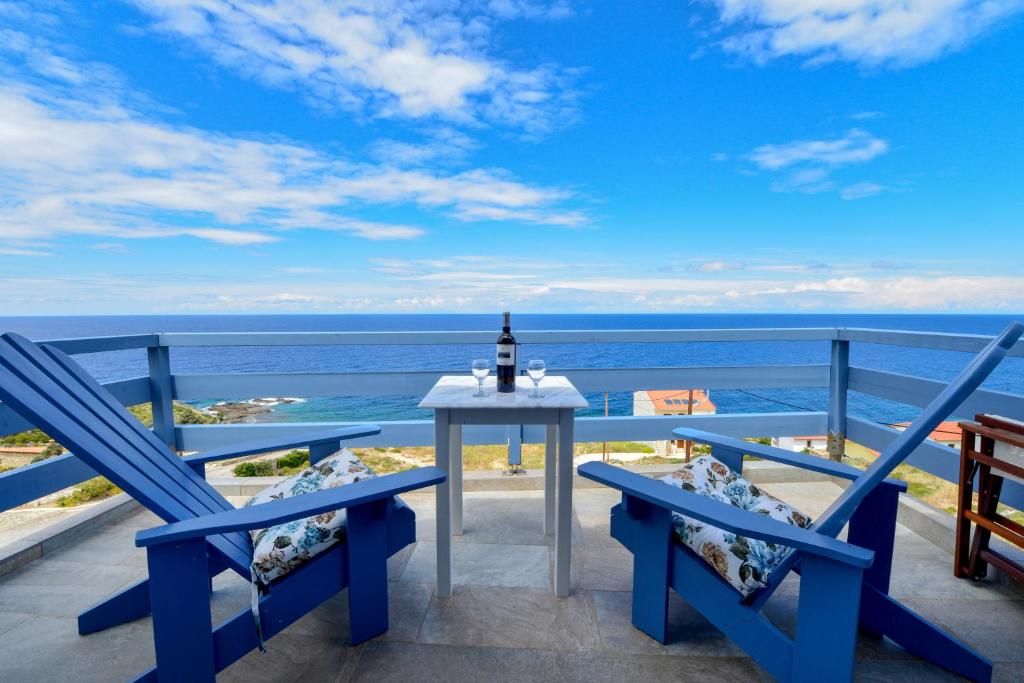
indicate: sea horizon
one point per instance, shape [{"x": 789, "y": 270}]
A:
[{"x": 455, "y": 358}]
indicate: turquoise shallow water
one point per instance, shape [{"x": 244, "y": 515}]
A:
[{"x": 927, "y": 363}]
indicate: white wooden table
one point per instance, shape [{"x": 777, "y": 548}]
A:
[{"x": 454, "y": 406}]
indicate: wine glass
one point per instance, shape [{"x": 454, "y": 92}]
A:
[
  {"x": 536, "y": 369},
  {"x": 481, "y": 368}
]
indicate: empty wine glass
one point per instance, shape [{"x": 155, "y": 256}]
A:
[
  {"x": 536, "y": 369},
  {"x": 481, "y": 368}
]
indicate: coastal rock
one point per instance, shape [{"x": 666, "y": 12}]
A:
[{"x": 252, "y": 410}]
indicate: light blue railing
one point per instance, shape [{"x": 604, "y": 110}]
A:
[{"x": 161, "y": 388}]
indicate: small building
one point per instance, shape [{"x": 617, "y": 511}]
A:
[
  {"x": 817, "y": 443},
  {"x": 672, "y": 402},
  {"x": 947, "y": 433}
]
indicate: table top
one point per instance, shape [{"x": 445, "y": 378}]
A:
[{"x": 456, "y": 391}]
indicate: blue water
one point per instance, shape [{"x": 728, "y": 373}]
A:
[{"x": 927, "y": 363}]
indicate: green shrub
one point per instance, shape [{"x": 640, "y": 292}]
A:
[
  {"x": 53, "y": 449},
  {"x": 29, "y": 438},
  {"x": 93, "y": 489},
  {"x": 254, "y": 468},
  {"x": 296, "y": 458}
]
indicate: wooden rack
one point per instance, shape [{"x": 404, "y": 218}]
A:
[{"x": 992, "y": 448}]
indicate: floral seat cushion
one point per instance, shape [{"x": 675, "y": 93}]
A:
[
  {"x": 745, "y": 563},
  {"x": 280, "y": 548}
]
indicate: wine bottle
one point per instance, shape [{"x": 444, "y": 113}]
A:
[{"x": 506, "y": 357}]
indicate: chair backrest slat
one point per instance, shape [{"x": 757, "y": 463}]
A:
[
  {"x": 69, "y": 411},
  {"x": 956, "y": 392},
  {"x": 106, "y": 408}
]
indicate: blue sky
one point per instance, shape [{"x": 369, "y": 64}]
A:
[{"x": 191, "y": 156}]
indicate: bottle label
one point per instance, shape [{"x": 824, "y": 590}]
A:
[{"x": 506, "y": 354}]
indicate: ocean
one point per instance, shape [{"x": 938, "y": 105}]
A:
[{"x": 941, "y": 365}]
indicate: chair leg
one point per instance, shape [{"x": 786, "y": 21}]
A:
[
  {"x": 921, "y": 638},
  {"x": 873, "y": 526},
  {"x": 127, "y": 605},
  {"x": 367, "y": 541},
  {"x": 826, "y": 629},
  {"x": 652, "y": 545},
  {"x": 179, "y": 595}
]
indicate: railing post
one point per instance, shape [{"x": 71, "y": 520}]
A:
[
  {"x": 160, "y": 394},
  {"x": 838, "y": 385}
]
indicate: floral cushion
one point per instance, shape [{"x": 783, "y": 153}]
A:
[
  {"x": 279, "y": 549},
  {"x": 744, "y": 562}
]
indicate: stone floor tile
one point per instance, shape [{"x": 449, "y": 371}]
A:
[
  {"x": 50, "y": 649},
  {"x": 291, "y": 657},
  {"x": 382, "y": 662},
  {"x": 483, "y": 564},
  {"x": 407, "y": 607},
  {"x": 511, "y": 617},
  {"x": 688, "y": 632},
  {"x": 588, "y": 667},
  {"x": 995, "y": 629}
]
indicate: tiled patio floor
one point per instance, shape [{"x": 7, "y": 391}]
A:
[{"x": 501, "y": 624}]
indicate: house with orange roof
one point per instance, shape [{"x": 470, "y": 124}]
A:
[{"x": 672, "y": 402}]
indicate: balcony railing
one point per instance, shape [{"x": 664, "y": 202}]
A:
[{"x": 161, "y": 387}]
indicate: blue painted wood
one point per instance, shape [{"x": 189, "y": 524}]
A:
[
  {"x": 719, "y": 603},
  {"x": 835, "y": 594},
  {"x": 801, "y": 460},
  {"x": 104, "y": 435},
  {"x": 100, "y": 344},
  {"x": 723, "y": 515},
  {"x": 126, "y": 605},
  {"x": 873, "y": 526},
  {"x": 836, "y": 516},
  {"x": 319, "y": 451},
  {"x": 882, "y": 614},
  {"x": 826, "y": 628},
  {"x": 297, "y": 507},
  {"x": 161, "y": 400},
  {"x": 421, "y": 432},
  {"x": 486, "y": 337},
  {"x": 918, "y": 391},
  {"x": 180, "y": 602},
  {"x": 376, "y": 529},
  {"x": 128, "y": 392},
  {"x": 730, "y": 457},
  {"x": 969, "y": 343},
  {"x": 309, "y": 436},
  {"x": 932, "y": 457},
  {"x": 196, "y": 386},
  {"x": 839, "y": 384},
  {"x": 651, "y": 566},
  {"x": 367, "y": 570},
  {"x": 27, "y": 483}
]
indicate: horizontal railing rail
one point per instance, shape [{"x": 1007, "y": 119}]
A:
[
  {"x": 421, "y": 432},
  {"x": 161, "y": 387},
  {"x": 591, "y": 380}
]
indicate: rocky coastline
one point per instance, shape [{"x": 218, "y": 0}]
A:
[{"x": 253, "y": 410}]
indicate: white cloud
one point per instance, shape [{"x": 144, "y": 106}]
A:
[
  {"x": 387, "y": 57},
  {"x": 894, "y": 33},
  {"x": 69, "y": 166},
  {"x": 856, "y": 147},
  {"x": 807, "y": 165},
  {"x": 861, "y": 190}
]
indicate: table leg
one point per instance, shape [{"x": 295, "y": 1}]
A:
[
  {"x": 563, "y": 530},
  {"x": 455, "y": 477},
  {"x": 442, "y": 434},
  {"x": 550, "y": 446}
]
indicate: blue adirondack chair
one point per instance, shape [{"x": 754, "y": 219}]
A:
[
  {"x": 205, "y": 534},
  {"x": 843, "y": 585}
]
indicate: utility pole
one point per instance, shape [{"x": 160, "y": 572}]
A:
[
  {"x": 604, "y": 447},
  {"x": 689, "y": 411}
]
